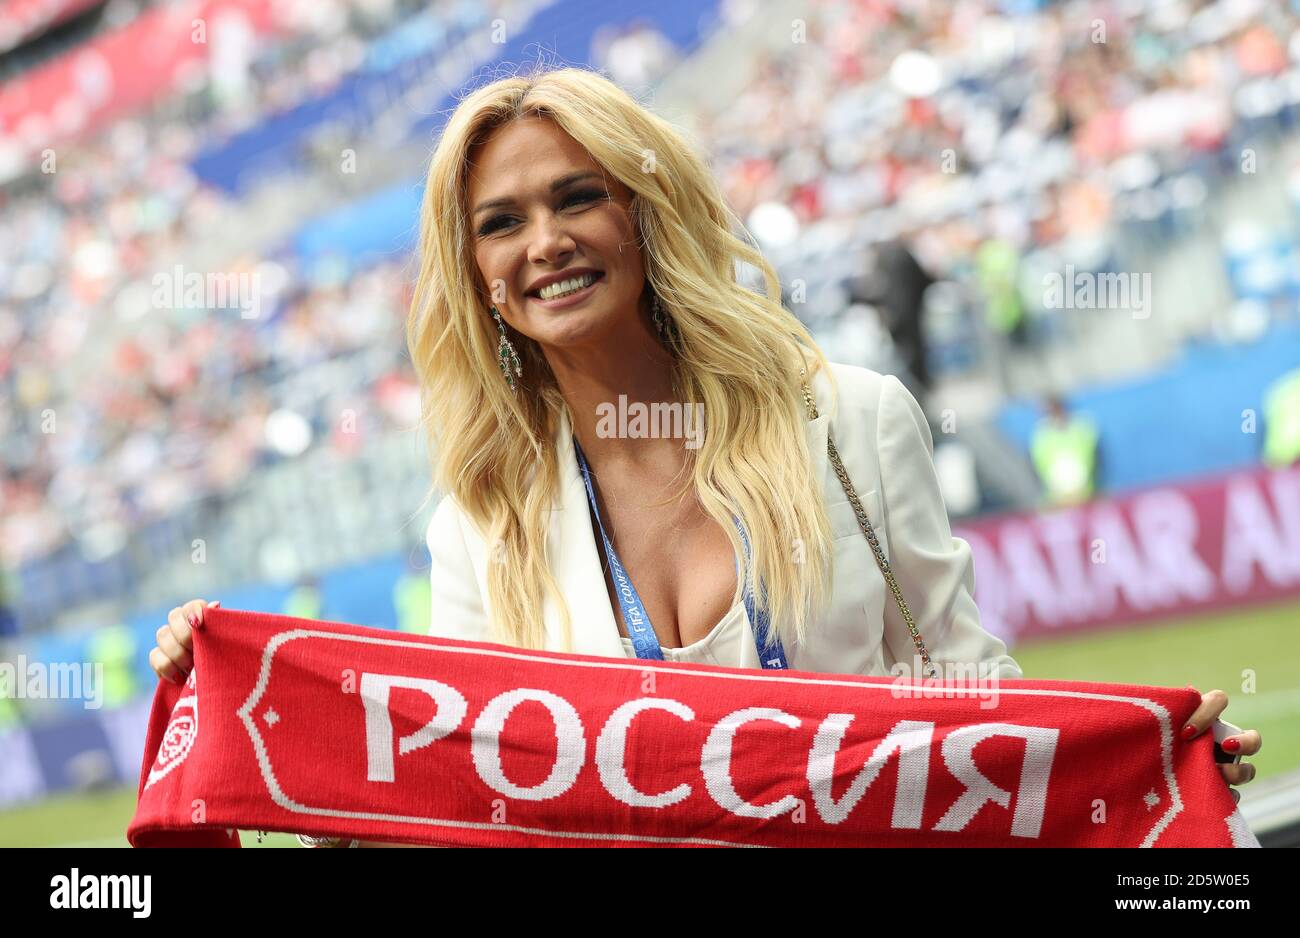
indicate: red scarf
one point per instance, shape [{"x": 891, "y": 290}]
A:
[{"x": 325, "y": 728}]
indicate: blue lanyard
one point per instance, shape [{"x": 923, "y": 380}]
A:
[{"x": 639, "y": 629}]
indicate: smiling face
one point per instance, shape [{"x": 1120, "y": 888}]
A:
[{"x": 540, "y": 207}]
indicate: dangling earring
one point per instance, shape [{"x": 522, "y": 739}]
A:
[
  {"x": 506, "y": 354},
  {"x": 663, "y": 325}
]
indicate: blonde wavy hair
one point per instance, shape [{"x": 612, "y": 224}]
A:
[{"x": 736, "y": 351}]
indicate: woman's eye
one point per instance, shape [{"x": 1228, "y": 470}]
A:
[
  {"x": 575, "y": 198},
  {"x": 589, "y": 195},
  {"x": 492, "y": 224}
]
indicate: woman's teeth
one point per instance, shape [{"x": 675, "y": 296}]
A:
[{"x": 565, "y": 287}]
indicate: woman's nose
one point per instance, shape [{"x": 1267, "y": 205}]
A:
[{"x": 548, "y": 241}]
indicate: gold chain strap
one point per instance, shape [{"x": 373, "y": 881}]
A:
[{"x": 865, "y": 523}]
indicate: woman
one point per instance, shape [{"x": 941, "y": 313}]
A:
[{"x": 578, "y": 261}]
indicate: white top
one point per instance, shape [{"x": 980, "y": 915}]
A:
[
  {"x": 884, "y": 440},
  {"x": 724, "y": 645}
]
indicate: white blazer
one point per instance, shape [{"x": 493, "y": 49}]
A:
[{"x": 885, "y": 444}]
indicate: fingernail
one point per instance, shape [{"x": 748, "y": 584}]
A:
[
  {"x": 194, "y": 620},
  {"x": 1189, "y": 731},
  {"x": 1231, "y": 745},
  {"x": 214, "y": 605}
]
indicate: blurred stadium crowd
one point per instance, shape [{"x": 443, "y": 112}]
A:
[
  {"x": 152, "y": 411},
  {"x": 1003, "y": 147},
  {"x": 919, "y": 165},
  {"x": 1052, "y": 138}
]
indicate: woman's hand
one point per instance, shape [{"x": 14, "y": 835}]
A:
[
  {"x": 173, "y": 657},
  {"x": 1247, "y": 743}
]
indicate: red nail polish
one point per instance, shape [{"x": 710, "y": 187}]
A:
[
  {"x": 194, "y": 621},
  {"x": 1231, "y": 745},
  {"x": 1189, "y": 731}
]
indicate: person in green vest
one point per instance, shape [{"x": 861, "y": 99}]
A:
[
  {"x": 413, "y": 599},
  {"x": 1282, "y": 421},
  {"x": 114, "y": 647},
  {"x": 305, "y": 600},
  {"x": 1064, "y": 450},
  {"x": 997, "y": 271}
]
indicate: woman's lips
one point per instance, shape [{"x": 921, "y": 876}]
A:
[{"x": 570, "y": 299}]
